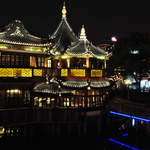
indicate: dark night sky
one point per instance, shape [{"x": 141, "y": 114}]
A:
[{"x": 102, "y": 18}]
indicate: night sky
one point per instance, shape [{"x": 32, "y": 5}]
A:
[{"x": 102, "y": 18}]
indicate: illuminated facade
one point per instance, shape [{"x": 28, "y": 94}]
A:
[
  {"x": 74, "y": 65},
  {"x": 64, "y": 72},
  {"x": 78, "y": 79},
  {"x": 23, "y": 61}
]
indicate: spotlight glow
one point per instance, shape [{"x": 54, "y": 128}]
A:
[{"x": 114, "y": 39}]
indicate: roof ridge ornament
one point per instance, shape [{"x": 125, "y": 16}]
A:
[
  {"x": 64, "y": 11},
  {"x": 83, "y": 34},
  {"x": 17, "y": 32}
]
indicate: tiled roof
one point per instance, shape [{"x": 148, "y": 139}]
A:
[
  {"x": 15, "y": 32},
  {"x": 62, "y": 37},
  {"x": 82, "y": 84},
  {"x": 52, "y": 88},
  {"x": 64, "y": 28},
  {"x": 75, "y": 84},
  {"x": 98, "y": 84},
  {"x": 84, "y": 47}
]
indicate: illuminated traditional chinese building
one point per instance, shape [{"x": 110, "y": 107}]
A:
[
  {"x": 23, "y": 62},
  {"x": 62, "y": 73},
  {"x": 78, "y": 79}
]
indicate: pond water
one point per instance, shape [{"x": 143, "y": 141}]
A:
[{"x": 70, "y": 142}]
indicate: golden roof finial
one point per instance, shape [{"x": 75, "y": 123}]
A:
[
  {"x": 83, "y": 34},
  {"x": 64, "y": 11}
]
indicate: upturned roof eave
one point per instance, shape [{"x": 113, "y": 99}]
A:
[
  {"x": 87, "y": 46},
  {"x": 16, "y": 33},
  {"x": 59, "y": 31},
  {"x": 25, "y": 43}
]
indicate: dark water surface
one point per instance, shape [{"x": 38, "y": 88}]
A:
[{"x": 67, "y": 143}]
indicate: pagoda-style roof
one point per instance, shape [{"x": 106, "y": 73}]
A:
[
  {"x": 15, "y": 33},
  {"x": 83, "y": 84},
  {"x": 52, "y": 88},
  {"x": 75, "y": 83},
  {"x": 84, "y": 47},
  {"x": 63, "y": 35}
]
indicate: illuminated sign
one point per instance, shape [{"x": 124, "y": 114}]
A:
[
  {"x": 7, "y": 72},
  {"x": 78, "y": 72},
  {"x": 64, "y": 72},
  {"x": 37, "y": 72},
  {"x": 15, "y": 72},
  {"x": 96, "y": 73}
]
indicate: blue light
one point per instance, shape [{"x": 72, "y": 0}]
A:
[
  {"x": 122, "y": 144},
  {"x": 134, "y": 51},
  {"x": 129, "y": 116},
  {"x": 125, "y": 134}
]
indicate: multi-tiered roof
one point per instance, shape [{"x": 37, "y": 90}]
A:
[
  {"x": 63, "y": 35},
  {"x": 15, "y": 33},
  {"x": 83, "y": 47}
]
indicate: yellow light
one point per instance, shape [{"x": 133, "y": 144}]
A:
[
  {"x": 36, "y": 98},
  {"x": 127, "y": 82},
  {"x": 101, "y": 57},
  {"x": 22, "y": 43},
  {"x": 64, "y": 72},
  {"x": 64, "y": 11},
  {"x": 87, "y": 62},
  {"x": 3, "y": 46},
  {"x": 40, "y": 104},
  {"x": 96, "y": 73},
  {"x": 14, "y": 91},
  {"x": 2, "y": 130},
  {"x": 6, "y": 72},
  {"x": 36, "y": 49},
  {"x": 64, "y": 56},
  {"x": 15, "y": 72},
  {"x": 78, "y": 72},
  {"x": 48, "y": 101},
  {"x": 68, "y": 62},
  {"x": 37, "y": 72},
  {"x": 26, "y": 72},
  {"x": 66, "y": 102},
  {"x": 52, "y": 99},
  {"x": 89, "y": 88},
  {"x": 40, "y": 99}
]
